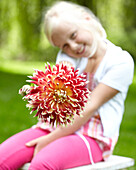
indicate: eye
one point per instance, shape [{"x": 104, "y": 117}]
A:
[{"x": 73, "y": 35}]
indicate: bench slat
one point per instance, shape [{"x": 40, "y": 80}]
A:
[{"x": 114, "y": 162}]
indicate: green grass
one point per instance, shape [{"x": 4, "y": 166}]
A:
[
  {"x": 21, "y": 67},
  {"x": 126, "y": 145},
  {"x": 14, "y": 116}
]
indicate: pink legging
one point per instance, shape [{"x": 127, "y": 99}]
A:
[{"x": 66, "y": 152}]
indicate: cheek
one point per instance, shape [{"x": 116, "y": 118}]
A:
[
  {"x": 68, "y": 51},
  {"x": 85, "y": 38}
]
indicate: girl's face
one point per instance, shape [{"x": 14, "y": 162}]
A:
[{"x": 74, "y": 40}]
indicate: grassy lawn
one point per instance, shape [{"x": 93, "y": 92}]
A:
[
  {"x": 14, "y": 116},
  {"x": 126, "y": 145}
]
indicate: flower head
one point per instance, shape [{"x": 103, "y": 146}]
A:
[{"x": 57, "y": 94}]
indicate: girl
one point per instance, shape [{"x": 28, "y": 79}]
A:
[{"x": 91, "y": 138}]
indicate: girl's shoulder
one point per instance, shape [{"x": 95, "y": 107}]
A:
[{"x": 115, "y": 55}]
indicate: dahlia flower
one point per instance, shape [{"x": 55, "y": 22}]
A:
[{"x": 57, "y": 94}]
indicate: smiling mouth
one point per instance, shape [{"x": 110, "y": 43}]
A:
[{"x": 81, "y": 50}]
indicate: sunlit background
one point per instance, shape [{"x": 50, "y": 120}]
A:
[{"x": 23, "y": 46}]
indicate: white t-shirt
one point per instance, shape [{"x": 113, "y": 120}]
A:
[{"x": 116, "y": 70}]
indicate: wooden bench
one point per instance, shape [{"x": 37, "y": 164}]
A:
[{"x": 113, "y": 163}]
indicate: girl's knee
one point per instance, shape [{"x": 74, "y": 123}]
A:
[
  {"x": 47, "y": 164},
  {"x": 3, "y": 166},
  {"x": 14, "y": 158},
  {"x": 38, "y": 165},
  {"x": 6, "y": 165}
]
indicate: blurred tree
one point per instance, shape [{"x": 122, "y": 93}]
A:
[
  {"x": 129, "y": 14},
  {"x": 4, "y": 24},
  {"x": 29, "y": 18},
  {"x": 129, "y": 23},
  {"x": 9, "y": 31}
]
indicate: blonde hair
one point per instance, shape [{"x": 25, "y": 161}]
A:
[{"x": 72, "y": 13}]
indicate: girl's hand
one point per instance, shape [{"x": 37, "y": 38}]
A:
[{"x": 39, "y": 144}]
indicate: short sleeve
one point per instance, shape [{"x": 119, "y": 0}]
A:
[{"x": 120, "y": 76}]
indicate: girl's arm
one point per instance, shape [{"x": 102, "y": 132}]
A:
[{"x": 100, "y": 95}]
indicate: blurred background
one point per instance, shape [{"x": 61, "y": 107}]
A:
[{"x": 23, "y": 46}]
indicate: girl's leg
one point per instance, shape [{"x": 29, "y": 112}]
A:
[
  {"x": 14, "y": 153},
  {"x": 66, "y": 152}
]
